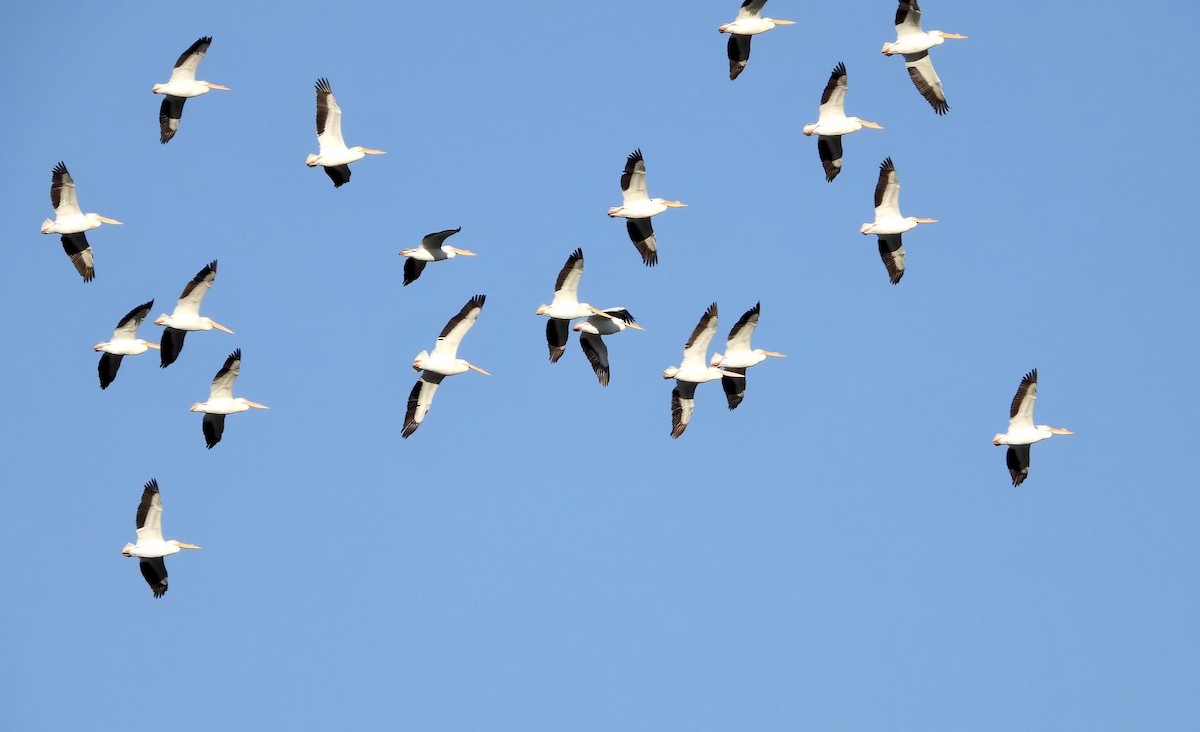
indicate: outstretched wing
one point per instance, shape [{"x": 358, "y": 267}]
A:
[
  {"x": 641, "y": 233},
  {"x": 683, "y": 401},
  {"x": 213, "y": 426},
  {"x": 419, "y": 401},
  {"x": 920, "y": 70},
  {"x": 738, "y": 50},
  {"x": 735, "y": 389},
  {"x": 892, "y": 253},
  {"x": 556, "y": 337},
  {"x": 597, "y": 355},
  {"x": 155, "y": 572},
  {"x": 1018, "y": 463},
  {"x": 77, "y": 248}
]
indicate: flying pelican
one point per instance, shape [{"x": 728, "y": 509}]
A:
[
  {"x": 610, "y": 321},
  {"x": 433, "y": 248},
  {"x": 334, "y": 156},
  {"x": 71, "y": 222},
  {"x": 692, "y": 371},
  {"x": 1021, "y": 430},
  {"x": 738, "y": 356},
  {"x": 443, "y": 362},
  {"x": 181, "y": 87},
  {"x": 889, "y": 224},
  {"x": 186, "y": 315},
  {"x": 832, "y": 123},
  {"x": 124, "y": 343},
  {"x": 749, "y": 22},
  {"x": 566, "y": 306},
  {"x": 150, "y": 547},
  {"x": 221, "y": 400},
  {"x": 637, "y": 208},
  {"x": 914, "y": 44}
]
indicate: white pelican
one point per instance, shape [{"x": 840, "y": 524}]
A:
[
  {"x": 566, "y": 306},
  {"x": 124, "y": 343},
  {"x": 150, "y": 547},
  {"x": 749, "y": 22},
  {"x": 334, "y": 156},
  {"x": 914, "y": 44},
  {"x": 71, "y": 222},
  {"x": 1022, "y": 432},
  {"x": 610, "y": 321},
  {"x": 889, "y": 224},
  {"x": 832, "y": 123},
  {"x": 692, "y": 370},
  {"x": 433, "y": 248},
  {"x": 738, "y": 356},
  {"x": 181, "y": 87},
  {"x": 221, "y": 400},
  {"x": 637, "y": 208},
  {"x": 186, "y": 315},
  {"x": 443, "y": 362}
]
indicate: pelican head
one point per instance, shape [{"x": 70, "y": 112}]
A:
[
  {"x": 670, "y": 372},
  {"x": 102, "y": 219},
  {"x": 944, "y": 34},
  {"x": 473, "y": 367},
  {"x": 367, "y": 150},
  {"x": 918, "y": 220},
  {"x": 248, "y": 403},
  {"x": 182, "y": 545},
  {"x": 452, "y": 251},
  {"x": 668, "y": 204},
  {"x": 220, "y": 87},
  {"x": 865, "y": 123}
]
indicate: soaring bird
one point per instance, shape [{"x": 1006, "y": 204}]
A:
[
  {"x": 1022, "y": 432},
  {"x": 832, "y": 123},
  {"x": 433, "y": 248},
  {"x": 443, "y": 362},
  {"x": 334, "y": 156},
  {"x": 608, "y": 322},
  {"x": 71, "y": 222},
  {"x": 150, "y": 547},
  {"x": 749, "y": 22},
  {"x": 914, "y": 44},
  {"x": 566, "y": 306},
  {"x": 693, "y": 370},
  {"x": 124, "y": 343},
  {"x": 186, "y": 315},
  {"x": 738, "y": 356},
  {"x": 889, "y": 224},
  {"x": 221, "y": 400},
  {"x": 181, "y": 87},
  {"x": 637, "y": 207}
]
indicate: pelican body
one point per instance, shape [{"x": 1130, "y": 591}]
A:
[
  {"x": 333, "y": 155},
  {"x": 693, "y": 370},
  {"x": 739, "y": 356},
  {"x": 181, "y": 87},
  {"x": 433, "y": 248},
  {"x": 150, "y": 547},
  {"x": 637, "y": 208},
  {"x": 442, "y": 362},
  {"x": 889, "y": 224},
  {"x": 221, "y": 401},
  {"x": 565, "y": 306},
  {"x": 71, "y": 222},
  {"x": 124, "y": 343},
  {"x": 749, "y": 22},
  {"x": 914, "y": 43},
  {"x": 832, "y": 123},
  {"x": 186, "y": 315},
  {"x": 608, "y": 321},
  {"x": 1022, "y": 432}
]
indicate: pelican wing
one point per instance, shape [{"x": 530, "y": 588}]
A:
[
  {"x": 339, "y": 174},
  {"x": 452, "y": 334},
  {"x": 412, "y": 269},
  {"x": 329, "y": 118},
  {"x": 920, "y": 70},
  {"x": 222, "y": 383},
  {"x": 1020, "y": 414},
  {"x": 171, "y": 346},
  {"x": 735, "y": 389},
  {"x": 829, "y": 149},
  {"x": 62, "y": 192},
  {"x": 155, "y": 572},
  {"x": 683, "y": 401},
  {"x": 434, "y": 241},
  {"x": 750, "y": 9},
  {"x": 633, "y": 179},
  {"x": 833, "y": 99},
  {"x": 621, "y": 314},
  {"x": 77, "y": 248},
  {"x": 419, "y": 401},
  {"x": 169, "y": 114},
  {"x": 739, "y": 335},
  {"x": 149, "y": 514},
  {"x": 738, "y": 50},
  {"x": 1018, "y": 463},
  {"x": 213, "y": 426},
  {"x": 641, "y": 233},
  {"x": 109, "y": 364},
  {"x": 566, "y": 287},
  {"x": 195, "y": 290},
  {"x": 891, "y": 250},
  {"x": 887, "y": 191},
  {"x": 908, "y": 18},
  {"x": 597, "y": 355},
  {"x": 696, "y": 348},
  {"x": 129, "y": 324},
  {"x": 189, "y": 60},
  {"x": 556, "y": 337}
]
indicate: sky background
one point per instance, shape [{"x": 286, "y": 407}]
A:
[{"x": 844, "y": 551}]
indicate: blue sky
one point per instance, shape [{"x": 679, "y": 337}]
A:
[{"x": 844, "y": 551}]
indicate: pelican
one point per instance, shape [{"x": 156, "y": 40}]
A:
[
  {"x": 914, "y": 44},
  {"x": 433, "y": 248},
  {"x": 738, "y": 357},
  {"x": 181, "y": 87},
  {"x": 334, "y": 156},
  {"x": 150, "y": 547},
  {"x": 1022, "y": 432},
  {"x": 749, "y": 22},
  {"x": 566, "y": 306},
  {"x": 186, "y": 315},
  {"x": 124, "y": 343},
  {"x": 889, "y": 224},
  {"x": 692, "y": 371},
  {"x": 443, "y": 362},
  {"x": 637, "y": 208},
  {"x": 71, "y": 222},
  {"x": 608, "y": 322},
  {"x": 221, "y": 400},
  {"x": 832, "y": 123}
]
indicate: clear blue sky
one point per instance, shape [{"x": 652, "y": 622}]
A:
[{"x": 842, "y": 552}]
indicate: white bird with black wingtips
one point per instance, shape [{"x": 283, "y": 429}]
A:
[
  {"x": 221, "y": 400},
  {"x": 609, "y": 322},
  {"x": 442, "y": 362},
  {"x": 693, "y": 370},
  {"x": 565, "y": 306},
  {"x": 186, "y": 315},
  {"x": 914, "y": 44},
  {"x": 150, "y": 547},
  {"x": 739, "y": 356},
  {"x": 889, "y": 224},
  {"x": 124, "y": 343},
  {"x": 71, "y": 222},
  {"x": 749, "y": 22},
  {"x": 832, "y": 123},
  {"x": 181, "y": 87},
  {"x": 1022, "y": 432},
  {"x": 333, "y": 155},
  {"x": 433, "y": 248},
  {"x": 637, "y": 207}
]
